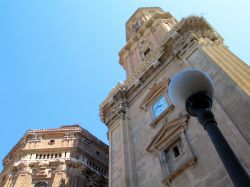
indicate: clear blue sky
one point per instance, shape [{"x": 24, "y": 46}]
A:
[{"x": 59, "y": 58}]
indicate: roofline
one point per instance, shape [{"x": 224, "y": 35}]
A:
[
  {"x": 141, "y": 8},
  {"x": 60, "y": 129}
]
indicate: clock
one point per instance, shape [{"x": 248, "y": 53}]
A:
[{"x": 159, "y": 106}]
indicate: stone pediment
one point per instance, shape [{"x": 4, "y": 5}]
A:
[
  {"x": 168, "y": 133},
  {"x": 154, "y": 91}
]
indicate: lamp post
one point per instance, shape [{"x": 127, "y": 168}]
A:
[{"x": 192, "y": 90}]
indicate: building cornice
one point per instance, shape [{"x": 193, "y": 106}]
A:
[{"x": 62, "y": 129}]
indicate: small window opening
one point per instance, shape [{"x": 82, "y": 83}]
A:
[
  {"x": 176, "y": 151},
  {"x": 146, "y": 52},
  {"x": 51, "y": 142},
  {"x": 41, "y": 184}
]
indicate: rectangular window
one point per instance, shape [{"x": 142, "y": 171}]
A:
[{"x": 173, "y": 152}]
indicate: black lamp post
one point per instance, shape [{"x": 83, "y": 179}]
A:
[{"x": 192, "y": 90}]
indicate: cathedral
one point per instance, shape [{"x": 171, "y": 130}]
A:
[
  {"x": 151, "y": 142},
  {"x": 68, "y": 156}
]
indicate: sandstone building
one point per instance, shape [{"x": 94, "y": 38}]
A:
[
  {"x": 152, "y": 144},
  {"x": 68, "y": 156}
]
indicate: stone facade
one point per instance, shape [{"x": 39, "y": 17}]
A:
[
  {"x": 68, "y": 156},
  {"x": 152, "y": 144}
]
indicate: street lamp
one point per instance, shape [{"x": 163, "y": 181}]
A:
[{"x": 192, "y": 90}]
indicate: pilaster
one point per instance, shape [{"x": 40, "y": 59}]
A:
[
  {"x": 24, "y": 179},
  {"x": 232, "y": 65},
  {"x": 114, "y": 114}
]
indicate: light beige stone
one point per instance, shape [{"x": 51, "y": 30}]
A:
[
  {"x": 142, "y": 146},
  {"x": 68, "y": 156}
]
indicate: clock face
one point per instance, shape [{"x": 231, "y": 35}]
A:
[{"x": 159, "y": 106}]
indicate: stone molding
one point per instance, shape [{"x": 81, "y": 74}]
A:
[
  {"x": 115, "y": 106},
  {"x": 168, "y": 133},
  {"x": 178, "y": 41},
  {"x": 154, "y": 92},
  {"x": 41, "y": 163},
  {"x": 39, "y": 133},
  {"x": 167, "y": 180},
  {"x": 163, "y": 115}
]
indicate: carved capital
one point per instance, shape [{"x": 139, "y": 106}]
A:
[{"x": 115, "y": 105}]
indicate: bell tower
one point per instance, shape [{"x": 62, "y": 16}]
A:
[
  {"x": 144, "y": 36},
  {"x": 151, "y": 142}
]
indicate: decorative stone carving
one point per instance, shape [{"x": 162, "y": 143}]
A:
[
  {"x": 116, "y": 108},
  {"x": 51, "y": 163},
  {"x": 168, "y": 133},
  {"x": 174, "y": 150},
  {"x": 154, "y": 91}
]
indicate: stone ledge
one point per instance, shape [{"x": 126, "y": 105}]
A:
[
  {"x": 166, "y": 113},
  {"x": 190, "y": 162}
]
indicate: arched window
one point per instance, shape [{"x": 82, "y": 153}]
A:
[{"x": 41, "y": 184}]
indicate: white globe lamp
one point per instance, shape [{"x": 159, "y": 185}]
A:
[{"x": 191, "y": 90}]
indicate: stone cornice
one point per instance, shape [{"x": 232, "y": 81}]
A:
[
  {"x": 52, "y": 149},
  {"x": 139, "y": 10},
  {"x": 114, "y": 110},
  {"x": 115, "y": 91},
  {"x": 142, "y": 68},
  {"x": 178, "y": 41},
  {"x": 62, "y": 129},
  {"x": 167, "y": 180},
  {"x": 108, "y": 107},
  {"x": 115, "y": 104},
  {"x": 75, "y": 163},
  {"x": 154, "y": 91}
]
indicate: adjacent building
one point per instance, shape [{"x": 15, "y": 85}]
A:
[
  {"x": 152, "y": 143},
  {"x": 68, "y": 156}
]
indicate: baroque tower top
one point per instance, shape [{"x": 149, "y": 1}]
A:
[
  {"x": 144, "y": 31},
  {"x": 139, "y": 18}
]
